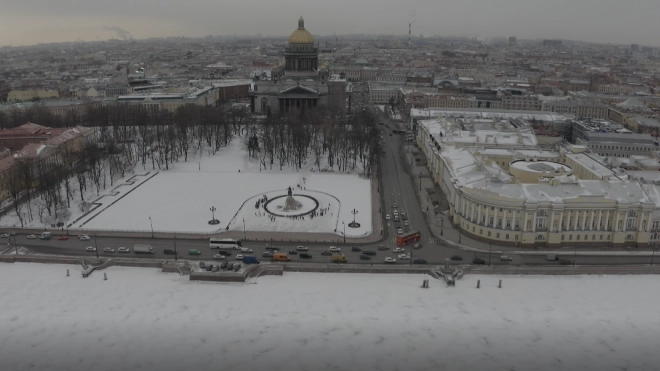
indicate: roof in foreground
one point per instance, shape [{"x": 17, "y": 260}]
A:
[{"x": 502, "y": 114}]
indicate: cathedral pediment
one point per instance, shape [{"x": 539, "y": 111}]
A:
[{"x": 298, "y": 90}]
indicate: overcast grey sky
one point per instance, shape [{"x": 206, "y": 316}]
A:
[{"x": 24, "y": 22}]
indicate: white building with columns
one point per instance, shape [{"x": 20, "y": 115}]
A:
[{"x": 502, "y": 188}]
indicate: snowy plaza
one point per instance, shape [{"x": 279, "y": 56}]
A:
[
  {"x": 180, "y": 199},
  {"x": 145, "y": 319}
]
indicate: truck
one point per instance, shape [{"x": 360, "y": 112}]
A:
[
  {"x": 339, "y": 258},
  {"x": 45, "y": 236},
  {"x": 249, "y": 259},
  {"x": 143, "y": 249}
]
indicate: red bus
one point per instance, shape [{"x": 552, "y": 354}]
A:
[{"x": 408, "y": 238}]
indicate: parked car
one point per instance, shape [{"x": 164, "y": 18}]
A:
[
  {"x": 305, "y": 255},
  {"x": 552, "y": 257},
  {"x": 355, "y": 249},
  {"x": 418, "y": 246},
  {"x": 202, "y": 265},
  {"x": 388, "y": 217},
  {"x": 478, "y": 261},
  {"x": 237, "y": 267},
  {"x": 169, "y": 252},
  {"x": 32, "y": 237},
  {"x": 326, "y": 253},
  {"x": 215, "y": 268},
  {"x": 267, "y": 254},
  {"x": 90, "y": 248},
  {"x": 5, "y": 235},
  {"x": 365, "y": 257},
  {"x": 399, "y": 231},
  {"x": 246, "y": 249},
  {"x": 223, "y": 265},
  {"x": 239, "y": 257},
  {"x": 84, "y": 237},
  {"x": 209, "y": 267},
  {"x": 389, "y": 260},
  {"x": 369, "y": 252},
  {"x": 506, "y": 258},
  {"x": 456, "y": 257},
  {"x": 123, "y": 249},
  {"x": 334, "y": 249},
  {"x": 302, "y": 248},
  {"x": 63, "y": 238},
  {"x": 419, "y": 261},
  {"x": 194, "y": 252},
  {"x": 398, "y": 249},
  {"x": 230, "y": 266},
  {"x": 225, "y": 253},
  {"x": 108, "y": 249},
  {"x": 293, "y": 252},
  {"x": 404, "y": 257},
  {"x": 382, "y": 247}
]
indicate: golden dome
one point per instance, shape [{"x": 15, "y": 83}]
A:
[{"x": 301, "y": 35}]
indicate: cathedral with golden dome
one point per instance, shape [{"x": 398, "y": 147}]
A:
[{"x": 299, "y": 84}]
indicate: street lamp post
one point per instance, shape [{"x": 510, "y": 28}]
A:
[
  {"x": 152, "y": 226},
  {"x": 574, "y": 255},
  {"x": 354, "y": 212},
  {"x": 176, "y": 255},
  {"x": 652, "y": 256},
  {"x": 344, "y": 223},
  {"x": 459, "y": 234},
  {"x": 420, "y": 181},
  {"x": 244, "y": 238},
  {"x": 442, "y": 223},
  {"x": 213, "y": 209},
  {"x": 96, "y": 247}
]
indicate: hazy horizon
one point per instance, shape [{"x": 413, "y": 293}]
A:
[{"x": 599, "y": 21}]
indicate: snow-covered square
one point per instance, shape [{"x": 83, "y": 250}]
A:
[
  {"x": 144, "y": 319},
  {"x": 179, "y": 199}
]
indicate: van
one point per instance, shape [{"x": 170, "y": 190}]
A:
[
  {"x": 248, "y": 259},
  {"x": 339, "y": 258},
  {"x": 281, "y": 257},
  {"x": 45, "y": 236},
  {"x": 551, "y": 257}
]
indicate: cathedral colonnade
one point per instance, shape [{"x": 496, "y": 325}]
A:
[{"x": 287, "y": 104}]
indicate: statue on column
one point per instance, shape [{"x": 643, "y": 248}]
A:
[{"x": 290, "y": 191}]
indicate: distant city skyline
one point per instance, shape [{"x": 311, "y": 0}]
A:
[{"x": 597, "y": 21}]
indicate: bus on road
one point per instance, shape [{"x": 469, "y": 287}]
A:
[
  {"x": 225, "y": 243},
  {"x": 408, "y": 238}
]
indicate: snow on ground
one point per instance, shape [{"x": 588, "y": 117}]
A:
[
  {"x": 144, "y": 319},
  {"x": 178, "y": 200}
]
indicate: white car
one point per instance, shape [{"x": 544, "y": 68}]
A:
[
  {"x": 108, "y": 249},
  {"x": 4, "y": 235},
  {"x": 302, "y": 248},
  {"x": 246, "y": 249},
  {"x": 398, "y": 249},
  {"x": 90, "y": 248},
  {"x": 32, "y": 237},
  {"x": 404, "y": 257},
  {"x": 396, "y": 213},
  {"x": 123, "y": 249},
  {"x": 335, "y": 249},
  {"x": 218, "y": 257},
  {"x": 84, "y": 237},
  {"x": 239, "y": 257},
  {"x": 399, "y": 231},
  {"x": 506, "y": 258},
  {"x": 387, "y": 217},
  {"x": 389, "y": 260},
  {"x": 405, "y": 222}
]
